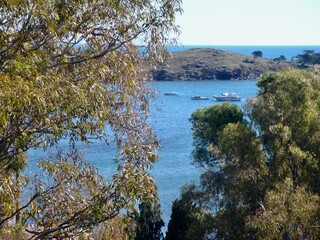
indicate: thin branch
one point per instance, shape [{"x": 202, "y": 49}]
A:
[
  {"x": 2, "y": 222},
  {"x": 112, "y": 46}
]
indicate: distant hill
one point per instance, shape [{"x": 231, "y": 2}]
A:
[{"x": 210, "y": 64}]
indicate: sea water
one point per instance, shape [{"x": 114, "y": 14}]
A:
[{"x": 170, "y": 119}]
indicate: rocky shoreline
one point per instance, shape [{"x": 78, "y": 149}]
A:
[{"x": 212, "y": 64}]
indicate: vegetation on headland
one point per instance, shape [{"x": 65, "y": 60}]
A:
[
  {"x": 308, "y": 57},
  {"x": 257, "y": 54},
  {"x": 69, "y": 70},
  {"x": 212, "y": 64},
  {"x": 260, "y": 165}
]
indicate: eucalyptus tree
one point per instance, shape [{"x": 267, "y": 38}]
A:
[
  {"x": 261, "y": 172},
  {"x": 68, "y": 69},
  {"x": 289, "y": 125},
  {"x": 287, "y": 213}
]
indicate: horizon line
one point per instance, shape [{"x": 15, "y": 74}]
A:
[{"x": 267, "y": 45}]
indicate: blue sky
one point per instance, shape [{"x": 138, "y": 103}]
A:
[{"x": 250, "y": 22}]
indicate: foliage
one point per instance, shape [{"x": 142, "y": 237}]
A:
[
  {"x": 288, "y": 213},
  {"x": 286, "y": 113},
  {"x": 256, "y": 54},
  {"x": 149, "y": 222},
  {"x": 118, "y": 228},
  {"x": 261, "y": 176},
  {"x": 70, "y": 70},
  {"x": 207, "y": 123},
  {"x": 188, "y": 221},
  {"x": 308, "y": 57},
  {"x": 68, "y": 197},
  {"x": 279, "y": 59}
]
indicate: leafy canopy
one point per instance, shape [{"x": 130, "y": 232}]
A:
[
  {"x": 257, "y": 54},
  {"x": 261, "y": 176},
  {"x": 70, "y": 70}
]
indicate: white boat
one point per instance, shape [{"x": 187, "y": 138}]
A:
[
  {"x": 227, "y": 97},
  {"x": 171, "y": 93},
  {"x": 199, "y": 98}
]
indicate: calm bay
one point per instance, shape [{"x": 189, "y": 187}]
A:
[{"x": 170, "y": 120}]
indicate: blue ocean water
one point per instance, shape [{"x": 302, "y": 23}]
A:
[
  {"x": 170, "y": 119},
  {"x": 173, "y": 128}
]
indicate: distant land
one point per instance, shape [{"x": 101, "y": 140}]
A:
[
  {"x": 269, "y": 51},
  {"x": 213, "y": 64}
]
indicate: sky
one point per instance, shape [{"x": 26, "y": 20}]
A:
[{"x": 250, "y": 22}]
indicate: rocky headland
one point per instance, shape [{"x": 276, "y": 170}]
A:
[{"x": 212, "y": 64}]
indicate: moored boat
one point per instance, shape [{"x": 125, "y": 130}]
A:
[
  {"x": 199, "y": 98},
  {"x": 227, "y": 97},
  {"x": 171, "y": 94}
]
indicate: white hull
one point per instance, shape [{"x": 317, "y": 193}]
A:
[
  {"x": 199, "y": 98},
  {"x": 228, "y": 97},
  {"x": 171, "y": 94}
]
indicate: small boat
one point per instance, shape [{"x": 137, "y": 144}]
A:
[
  {"x": 171, "y": 94},
  {"x": 227, "y": 97},
  {"x": 199, "y": 98}
]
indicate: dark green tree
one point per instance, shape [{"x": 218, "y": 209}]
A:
[
  {"x": 207, "y": 123},
  {"x": 188, "y": 219},
  {"x": 305, "y": 58},
  {"x": 256, "y": 54},
  {"x": 252, "y": 168},
  {"x": 283, "y": 58},
  {"x": 308, "y": 57},
  {"x": 316, "y": 58},
  {"x": 149, "y": 222},
  {"x": 279, "y": 59}
]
